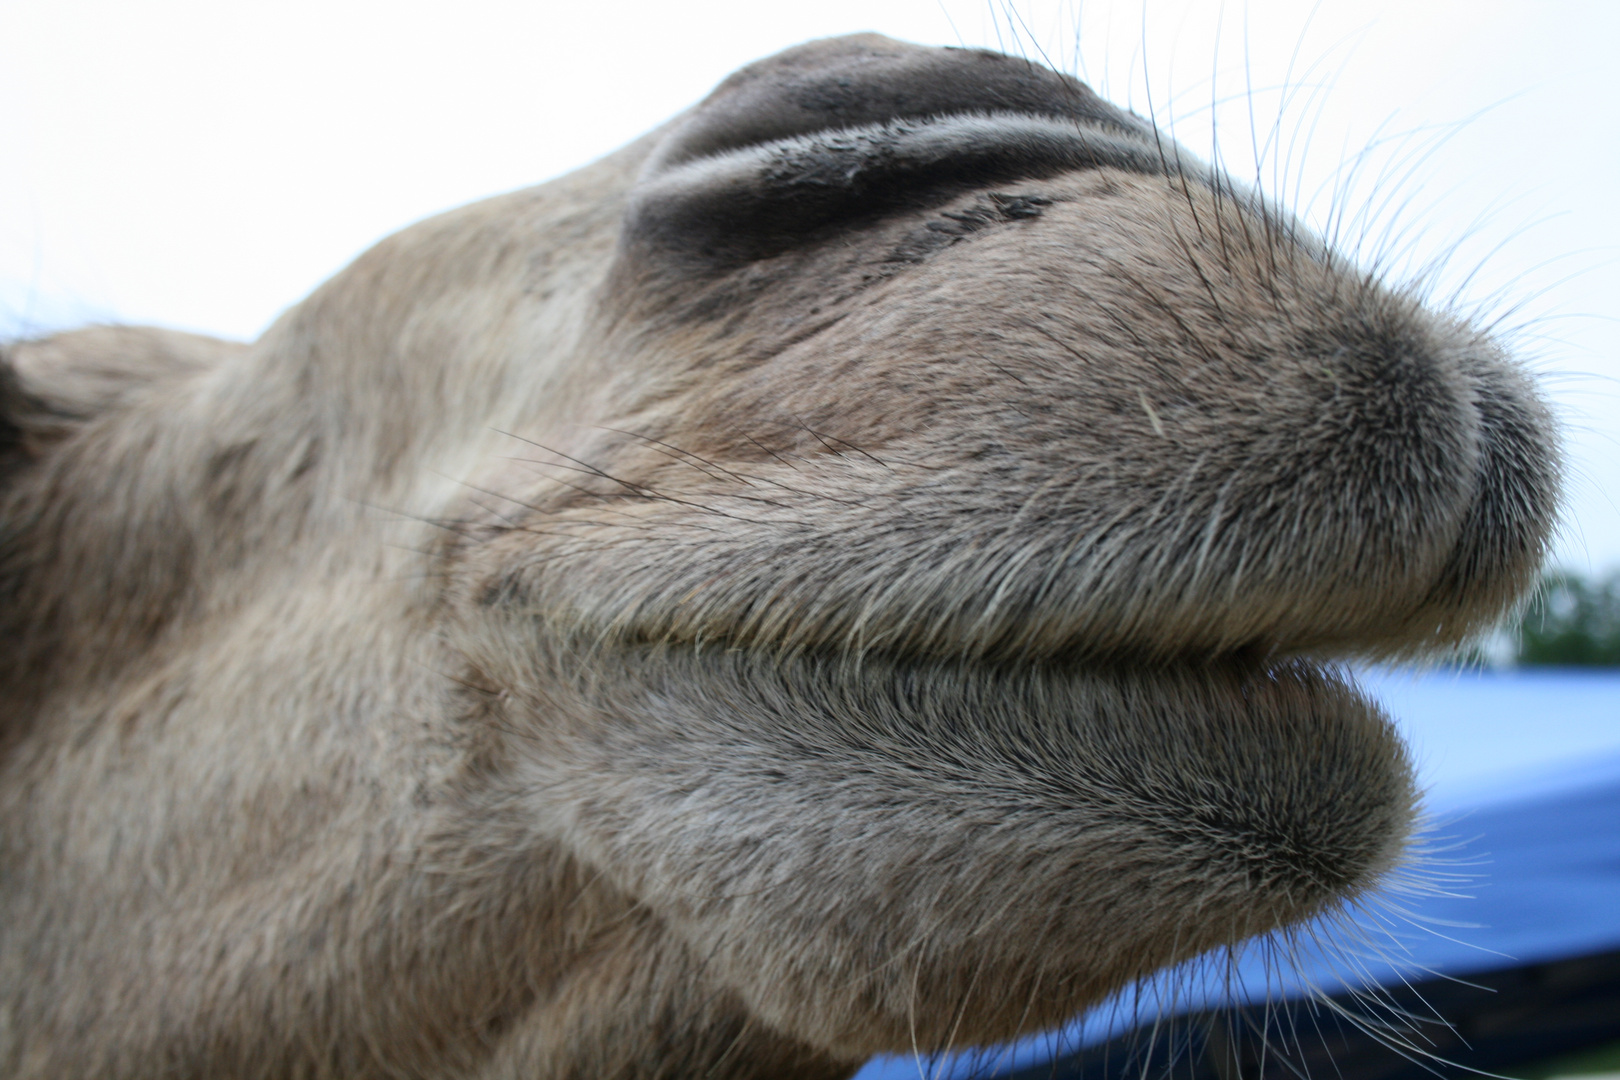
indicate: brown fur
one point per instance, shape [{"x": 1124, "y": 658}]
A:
[{"x": 849, "y": 572}]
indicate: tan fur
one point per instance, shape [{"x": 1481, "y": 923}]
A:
[{"x": 849, "y": 572}]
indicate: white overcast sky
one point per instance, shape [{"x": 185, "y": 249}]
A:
[{"x": 205, "y": 163}]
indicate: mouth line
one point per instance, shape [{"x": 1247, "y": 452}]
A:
[{"x": 835, "y": 664}]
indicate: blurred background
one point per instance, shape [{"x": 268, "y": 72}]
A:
[{"x": 203, "y": 165}]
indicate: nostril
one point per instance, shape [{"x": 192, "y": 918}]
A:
[
  {"x": 839, "y": 134},
  {"x": 867, "y": 79},
  {"x": 752, "y": 204}
]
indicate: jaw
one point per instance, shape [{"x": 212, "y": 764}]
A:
[
  {"x": 935, "y": 710},
  {"x": 897, "y": 642},
  {"x": 879, "y": 855}
]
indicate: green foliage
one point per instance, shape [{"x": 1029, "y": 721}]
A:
[
  {"x": 1602, "y": 1060},
  {"x": 1573, "y": 622}
]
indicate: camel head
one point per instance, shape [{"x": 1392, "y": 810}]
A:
[{"x": 866, "y": 567}]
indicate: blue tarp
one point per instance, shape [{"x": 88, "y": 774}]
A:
[{"x": 1522, "y": 772}]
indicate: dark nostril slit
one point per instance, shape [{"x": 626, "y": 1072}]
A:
[
  {"x": 756, "y": 203},
  {"x": 869, "y": 79},
  {"x": 836, "y": 134}
]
